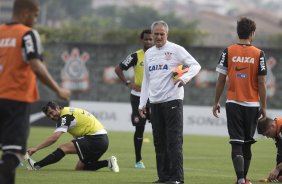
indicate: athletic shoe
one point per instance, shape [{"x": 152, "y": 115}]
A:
[
  {"x": 266, "y": 180},
  {"x": 140, "y": 165},
  {"x": 246, "y": 182},
  {"x": 29, "y": 162},
  {"x": 112, "y": 164}
]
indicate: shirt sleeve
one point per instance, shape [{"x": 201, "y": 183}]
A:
[
  {"x": 188, "y": 59},
  {"x": 145, "y": 86},
  {"x": 131, "y": 60},
  {"x": 64, "y": 123},
  {"x": 32, "y": 48},
  {"x": 222, "y": 65},
  {"x": 262, "y": 69}
]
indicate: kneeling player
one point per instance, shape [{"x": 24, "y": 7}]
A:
[
  {"x": 90, "y": 139},
  {"x": 273, "y": 129}
]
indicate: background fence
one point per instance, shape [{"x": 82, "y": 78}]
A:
[{"x": 88, "y": 70}]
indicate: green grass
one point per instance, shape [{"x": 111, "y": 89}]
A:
[{"x": 207, "y": 159}]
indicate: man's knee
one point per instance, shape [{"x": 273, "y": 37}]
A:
[
  {"x": 247, "y": 151},
  {"x": 68, "y": 148},
  {"x": 9, "y": 161},
  {"x": 79, "y": 166}
]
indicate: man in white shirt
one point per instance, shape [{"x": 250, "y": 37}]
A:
[{"x": 166, "y": 98}]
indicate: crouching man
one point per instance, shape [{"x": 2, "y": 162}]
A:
[
  {"x": 90, "y": 140},
  {"x": 272, "y": 128}
]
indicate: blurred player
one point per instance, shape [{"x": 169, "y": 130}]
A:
[
  {"x": 273, "y": 129},
  {"x": 90, "y": 139},
  {"x": 20, "y": 66},
  {"x": 244, "y": 66},
  {"x": 136, "y": 60}
]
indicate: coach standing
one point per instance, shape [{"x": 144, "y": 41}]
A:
[
  {"x": 20, "y": 64},
  {"x": 166, "y": 97}
]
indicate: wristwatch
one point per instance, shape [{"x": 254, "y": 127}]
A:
[{"x": 127, "y": 82}]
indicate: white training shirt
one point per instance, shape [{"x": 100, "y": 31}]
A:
[{"x": 158, "y": 84}]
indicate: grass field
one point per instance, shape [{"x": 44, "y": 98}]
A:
[{"x": 206, "y": 160}]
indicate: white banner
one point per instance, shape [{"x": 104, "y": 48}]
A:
[{"x": 196, "y": 119}]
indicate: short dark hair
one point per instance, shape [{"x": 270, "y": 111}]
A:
[
  {"x": 264, "y": 124},
  {"x": 51, "y": 104},
  {"x": 20, "y": 5},
  {"x": 245, "y": 27},
  {"x": 145, "y": 31}
]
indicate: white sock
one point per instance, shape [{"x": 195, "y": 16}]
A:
[{"x": 241, "y": 181}]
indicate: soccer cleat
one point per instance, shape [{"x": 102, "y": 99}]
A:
[
  {"x": 267, "y": 180},
  {"x": 140, "y": 165},
  {"x": 264, "y": 180},
  {"x": 174, "y": 182},
  {"x": 246, "y": 182},
  {"x": 29, "y": 162},
  {"x": 112, "y": 164}
]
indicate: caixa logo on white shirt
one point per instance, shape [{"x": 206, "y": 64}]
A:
[
  {"x": 158, "y": 67},
  {"x": 75, "y": 75}
]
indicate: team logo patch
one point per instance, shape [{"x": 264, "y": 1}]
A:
[
  {"x": 168, "y": 55},
  {"x": 136, "y": 119},
  {"x": 241, "y": 76},
  {"x": 64, "y": 121}
]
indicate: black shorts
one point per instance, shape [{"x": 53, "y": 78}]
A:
[
  {"x": 241, "y": 123},
  {"x": 278, "y": 143},
  {"x": 14, "y": 125},
  {"x": 90, "y": 148},
  {"x": 136, "y": 119}
]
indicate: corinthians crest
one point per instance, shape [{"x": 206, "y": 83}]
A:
[
  {"x": 168, "y": 55},
  {"x": 75, "y": 75}
]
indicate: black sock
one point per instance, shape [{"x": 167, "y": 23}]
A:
[
  {"x": 8, "y": 165},
  {"x": 138, "y": 140},
  {"x": 246, "y": 167},
  {"x": 238, "y": 160},
  {"x": 238, "y": 163},
  {"x": 247, "y": 158},
  {"x": 50, "y": 159},
  {"x": 93, "y": 166}
]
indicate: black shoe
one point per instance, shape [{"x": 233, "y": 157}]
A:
[
  {"x": 159, "y": 181},
  {"x": 174, "y": 182}
]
